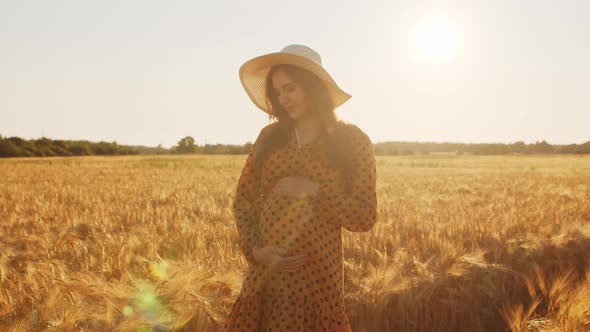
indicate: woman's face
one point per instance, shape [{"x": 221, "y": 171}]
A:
[{"x": 289, "y": 94}]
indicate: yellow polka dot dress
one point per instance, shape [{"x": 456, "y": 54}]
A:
[{"x": 312, "y": 298}]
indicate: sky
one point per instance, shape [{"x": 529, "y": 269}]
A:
[{"x": 143, "y": 72}]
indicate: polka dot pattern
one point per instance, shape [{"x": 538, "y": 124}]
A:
[{"x": 312, "y": 298}]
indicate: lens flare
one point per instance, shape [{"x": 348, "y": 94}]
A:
[{"x": 160, "y": 269}]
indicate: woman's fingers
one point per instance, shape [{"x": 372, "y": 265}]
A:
[
  {"x": 293, "y": 262},
  {"x": 279, "y": 250},
  {"x": 292, "y": 269},
  {"x": 279, "y": 186},
  {"x": 291, "y": 186},
  {"x": 290, "y": 259},
  {"x": 279, "y": 259},
  {"x": 281, "y": 189},
  {"x": 284, "y": 185}
]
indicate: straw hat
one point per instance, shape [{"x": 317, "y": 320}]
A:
[{"x": 253, "y": 73}]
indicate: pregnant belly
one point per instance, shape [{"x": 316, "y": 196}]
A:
[{"x": 283, "y": 219}]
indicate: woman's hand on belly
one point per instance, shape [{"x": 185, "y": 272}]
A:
[
  {"x": 278, "y": 259},
  {"x": 296, "y": 186}
]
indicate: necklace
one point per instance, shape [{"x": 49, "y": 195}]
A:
[{"x": 298, "y": 141}]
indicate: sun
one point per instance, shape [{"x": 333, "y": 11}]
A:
[{"x": 436, "y": 39}]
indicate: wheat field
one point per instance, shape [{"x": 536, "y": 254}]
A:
[{"x": 148, "y": 243}]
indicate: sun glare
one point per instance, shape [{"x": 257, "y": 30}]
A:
[{"x": 436, "y": 39}]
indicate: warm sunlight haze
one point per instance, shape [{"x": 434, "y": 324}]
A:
[
  {"x": 150, "y": 73},
  {"x": 436, "y": 39}
]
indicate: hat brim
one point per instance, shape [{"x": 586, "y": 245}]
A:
[{"x": 254, "y": 71}]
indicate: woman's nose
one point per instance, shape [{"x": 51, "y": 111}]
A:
[{"x": 283, "y": 100}]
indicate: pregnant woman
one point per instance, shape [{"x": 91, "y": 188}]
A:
[{"x": 308, "y": 175}]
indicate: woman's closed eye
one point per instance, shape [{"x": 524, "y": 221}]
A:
[{"x": 289, "y": 90}]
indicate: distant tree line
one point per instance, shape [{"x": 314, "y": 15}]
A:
[
  {"x": 389, "y": 148},
  {"x": 45, "y": 147},
  {"x": 187, "y": 145}
]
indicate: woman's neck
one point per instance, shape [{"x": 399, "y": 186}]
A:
[
  {"x": 307, "y": 128},
  {"x": 306, "y": 124}
]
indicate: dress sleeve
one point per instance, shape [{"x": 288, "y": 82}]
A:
[
  {"x": 246, "y": 204},
  {"x": 356, "y": 208}
]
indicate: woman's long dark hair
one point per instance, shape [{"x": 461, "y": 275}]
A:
[{"x": 320, "y": 107}]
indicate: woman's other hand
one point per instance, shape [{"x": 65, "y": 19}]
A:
[
  {"x": 296, "y": 186},
  {"x": 278, "y": 259}
]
